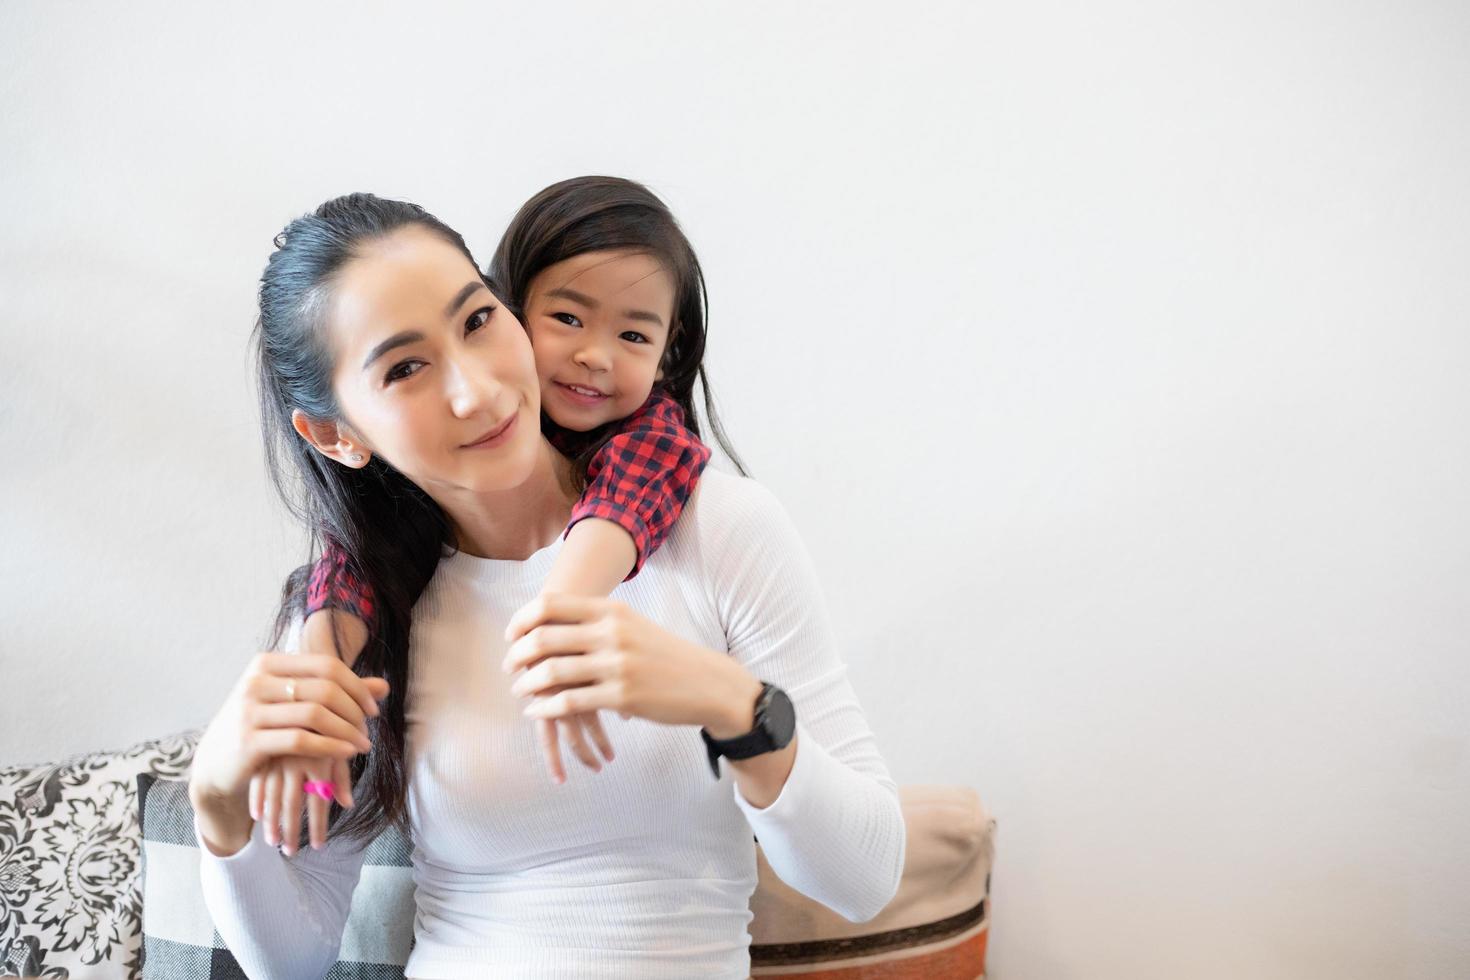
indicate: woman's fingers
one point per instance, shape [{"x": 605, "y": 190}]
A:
[
  {"x": 566, "y": 671},
  {"x": 366, "y": 691},
  {"x": 553, "y": 607},
  {"x": 552, "y": 641},
  {"x": 576, "y": 700},
  {"x": 269, "y": 689},
  {"x": 547, "y": 736},
  {"x": 267, "y": 744},
  {"x": 311, "y": 716},
  {"x": 327, "y": 693}
]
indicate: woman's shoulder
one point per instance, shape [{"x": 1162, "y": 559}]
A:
[
  {"x": 730, "y": 502},
  {"x": 730, "y": 520}
]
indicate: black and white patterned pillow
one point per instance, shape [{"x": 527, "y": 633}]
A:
[
  {"x": 179, "y": 937},
  {"x": 71, "y": 895}
]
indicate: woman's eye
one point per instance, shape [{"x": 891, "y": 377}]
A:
[
  {"x": 400, "y": 371},
  {"x": 479, "y": 318},
  {"x": 635, "y": 337},
  {"x": 567, "y": 318}
]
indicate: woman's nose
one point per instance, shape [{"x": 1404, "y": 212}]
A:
[{"x": 471, "y": 390}]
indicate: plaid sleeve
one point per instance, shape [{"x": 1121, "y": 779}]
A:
[
  {"x": 333, "y": 584},
  {"x": 642, "y": 476}
]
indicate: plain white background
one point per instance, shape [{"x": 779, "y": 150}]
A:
[{"x": 1112, "y": 359}]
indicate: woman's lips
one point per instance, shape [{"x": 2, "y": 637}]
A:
[
  {"x": 495, "y": 437},
  {"x": 578, "y": 397}
]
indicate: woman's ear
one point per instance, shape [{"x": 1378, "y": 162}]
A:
[{"x": 331, "y": 440}]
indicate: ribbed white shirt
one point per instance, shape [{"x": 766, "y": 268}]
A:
[{"x": 643, "y": 870}]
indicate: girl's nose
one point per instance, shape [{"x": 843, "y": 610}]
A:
[{"x": 592, "y": 357}]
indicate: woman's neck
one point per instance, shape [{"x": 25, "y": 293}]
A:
[{"x": 514, "y": 524}]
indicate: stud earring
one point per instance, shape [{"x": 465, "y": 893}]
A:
[{"x": 356, "y": 457}]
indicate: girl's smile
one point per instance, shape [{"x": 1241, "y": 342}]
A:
[{"x": 580, "y": 394}]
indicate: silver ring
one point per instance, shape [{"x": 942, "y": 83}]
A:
[{"x": 291, "y": 690}]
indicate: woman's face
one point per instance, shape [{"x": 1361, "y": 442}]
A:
[
  {"x": 430, "y": 370},
  {"x": 599, "y": 323}
]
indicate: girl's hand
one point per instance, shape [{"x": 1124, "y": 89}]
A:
[
  {"x": 259, "y": 722},
  {"x": 626, "y": 663},
  {"x": 579, "y": 728},
  {"x": 276, "y": 796}
]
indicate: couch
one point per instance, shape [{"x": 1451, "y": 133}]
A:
[{"x": 99, "y": 878}]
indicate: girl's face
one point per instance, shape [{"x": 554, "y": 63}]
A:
[
  {"x": 599, "y": 323},
  {"x": 430, "y": 370}
]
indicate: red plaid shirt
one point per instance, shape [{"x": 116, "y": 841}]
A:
[{"x": 640, "y": 480}]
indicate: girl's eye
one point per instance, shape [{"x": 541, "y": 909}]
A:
[
  {"x": 400, "y": 371},
  {"x": 635, "y": 336},
  {"x": 479, "y": 318},
  {"x": 567, "y": 318}
]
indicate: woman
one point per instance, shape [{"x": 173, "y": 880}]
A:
[{"x": 645, "y": 870}]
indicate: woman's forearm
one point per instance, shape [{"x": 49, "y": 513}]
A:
[
  {"x": 224, "y": 826},
  {"x": 760, "y": 778}
]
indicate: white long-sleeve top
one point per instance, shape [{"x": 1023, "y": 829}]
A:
[{"x": 642, "y": 870}]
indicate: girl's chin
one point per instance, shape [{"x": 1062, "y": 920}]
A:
[{"x": 581, "y": 424}]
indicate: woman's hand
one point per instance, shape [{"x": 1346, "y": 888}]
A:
[
  {"x": 261, "y": 721},
  {"x": 627, "y": 663},
  {"x": 581, "y": 730}
]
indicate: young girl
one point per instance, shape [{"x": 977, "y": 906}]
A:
[{"x": 613, "y": 299}]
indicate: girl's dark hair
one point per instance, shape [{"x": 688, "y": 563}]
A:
[
  {"x": 390, "y": 532},
  {"x": 594, "y": 214}
]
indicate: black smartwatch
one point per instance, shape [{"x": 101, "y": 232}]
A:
[{"x": 775, "y": 724}]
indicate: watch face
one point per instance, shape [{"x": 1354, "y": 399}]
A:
[{"x": 779, "y": 717}]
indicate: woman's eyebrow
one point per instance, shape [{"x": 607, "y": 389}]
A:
[
  {"x": 397, "y": 340},
  {"x": 414, "y": 336},
  {"x": 465, "y": 292}
]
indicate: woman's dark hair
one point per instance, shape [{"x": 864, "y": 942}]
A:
[
  {"x": 388, "y": 532},
  {"x": 594, "y": 214}
]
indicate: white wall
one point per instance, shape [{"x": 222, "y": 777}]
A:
[{"x": 1111, "y": 357}]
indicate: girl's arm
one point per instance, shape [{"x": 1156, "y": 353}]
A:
[
  {"x": 338, "y": 600},
  {"x": 597, "y": 556},
  {"x": 637, "y": 486}
]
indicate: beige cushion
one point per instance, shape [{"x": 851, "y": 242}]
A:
[{"x": 935, "y": 927}]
